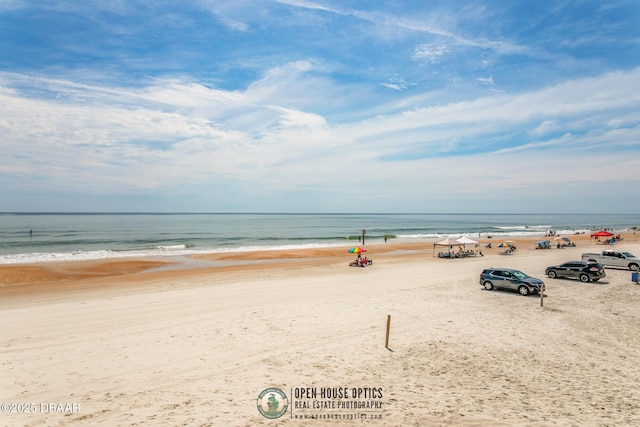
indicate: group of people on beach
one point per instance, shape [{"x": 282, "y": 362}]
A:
[
  {"x": 611, "y": 241},
  {"x": 462, "y": 253},
  {"x": 361, "y": 262}
]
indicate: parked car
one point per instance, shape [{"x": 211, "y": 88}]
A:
[
  {"x": 508, "y": 278},
  {"x": 585, "y": 271},
  {"x": 614, "y": 259}
]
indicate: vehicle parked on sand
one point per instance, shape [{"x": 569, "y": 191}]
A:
[
  {"x": 614, "y": 259},
  {"x": 508, "y": 278},
  {"x": 585, "y": 271}
]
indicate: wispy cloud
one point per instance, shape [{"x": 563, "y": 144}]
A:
[
  {"x": 430, "y": 52},
  {"x": 184, "y": 129},
  {"x": 318, "y": 105}
]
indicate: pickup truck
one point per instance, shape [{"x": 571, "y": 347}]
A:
[{"x": 614, "y": 259}]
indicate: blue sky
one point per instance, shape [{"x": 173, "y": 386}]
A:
[{"x": 320, "y": 106}]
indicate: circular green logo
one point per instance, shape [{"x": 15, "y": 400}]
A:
[{"x": 272, "y": 403}]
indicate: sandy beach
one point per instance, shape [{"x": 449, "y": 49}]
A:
[{"x": 195, "y": 341}]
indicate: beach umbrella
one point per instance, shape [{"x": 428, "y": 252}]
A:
[
  {"x": 508, "y": 247},
  {"x": 357, "y": 250}
]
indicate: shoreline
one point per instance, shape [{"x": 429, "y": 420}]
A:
[
  {"x": 37, "y": 252},
  {"x": 136, "y": 341},
  {"x": 57, "y": 275}
]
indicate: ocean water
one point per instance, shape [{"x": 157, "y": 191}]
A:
[{"x": 37, "y": 237}]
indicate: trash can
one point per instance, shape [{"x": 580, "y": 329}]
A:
[{"x": 634, "y": 277}]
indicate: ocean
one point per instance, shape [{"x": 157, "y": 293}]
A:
[{"x": 43, "y": 237}]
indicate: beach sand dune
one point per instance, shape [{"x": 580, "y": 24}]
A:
[{"x": 152, "y": 344}]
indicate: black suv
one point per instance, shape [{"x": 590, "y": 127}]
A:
[
  {"x": 585, "y": 271},
  {"x": 510, "y": 279}
]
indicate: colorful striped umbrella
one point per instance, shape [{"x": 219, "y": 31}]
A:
[{"x": 357, "y": 250}]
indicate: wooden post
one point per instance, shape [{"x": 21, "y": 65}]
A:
[
  {"x": 386, "y": 341},
  {"x": 542, "y": 287}
]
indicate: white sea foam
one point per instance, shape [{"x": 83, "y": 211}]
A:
[
  {"x": 527, "y": 227},
  {"x": 427, "y": 236},
  {"x": 160, "y": 251},
  {"x": 171, "y": 247},
  {"x": 502, "y": 232}
]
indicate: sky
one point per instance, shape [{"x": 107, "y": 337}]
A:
[{"x": 320, "y": 106}]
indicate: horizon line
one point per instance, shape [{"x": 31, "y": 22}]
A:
[{"x": 293, "y": 213}]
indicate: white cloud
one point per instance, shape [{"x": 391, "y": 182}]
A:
[
  {"x": 308, "y": 5},
  {"x": 397, "y": 83},
  {"x": 486, "y": 80},
  {"x": 430, "y": 52},
  {"x": 174, "y": 134},
  {"x": 545, "y": 127}
]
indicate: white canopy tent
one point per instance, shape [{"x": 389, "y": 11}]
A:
[
  {"x": 466, "y": 241},
  {"x": 449, "y": 241}
]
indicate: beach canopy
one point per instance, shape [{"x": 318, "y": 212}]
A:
[
  {"x": 466, "y": 241},
  {"x": 448, "y": 242},
  {"x": 602, "y": 233},
  {"x": 505, "y": 245},
  {"x": 357, "y": 250}
]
